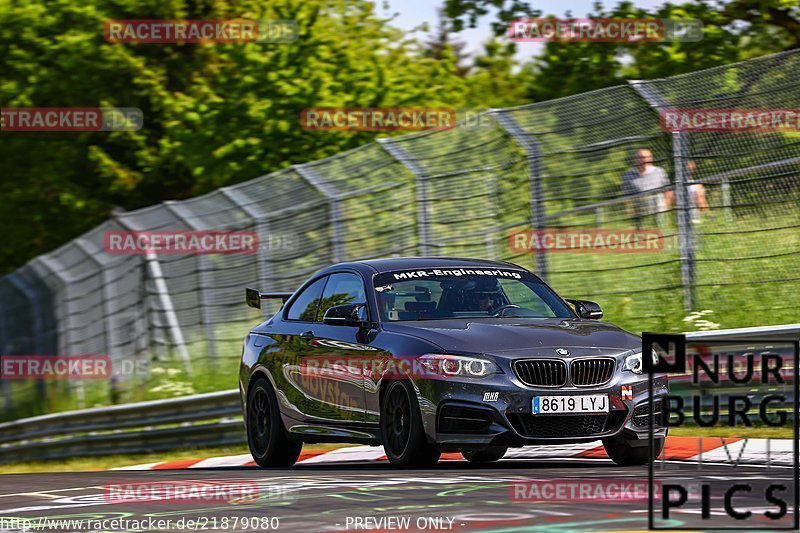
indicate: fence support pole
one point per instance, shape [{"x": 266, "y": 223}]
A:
[
  {"x": 423, "y": 208},
  {"x": 680, "y": 158},
  {"x": 38, "y": 322},
  {"x": 206, "y": 282},
  {"x": 685, "y": 229},
  {"x": 154, "y": 270},
  {"x": 154, "y": 267},
  {"x": 534, "y": 156},
  {"x": 88, "y": 248},
  {"x": 3, "y": 348},
  {"x": 315, "y": 179},
  {"x": 261, "y": 226},
  {"x": 726, "y": 199},
  {"x": 65, "y": 318}
]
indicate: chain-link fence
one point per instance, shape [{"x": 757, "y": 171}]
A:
[{"x": 728, "y": 218}]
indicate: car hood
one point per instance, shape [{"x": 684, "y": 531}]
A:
[{"x": 518, "y": 337}]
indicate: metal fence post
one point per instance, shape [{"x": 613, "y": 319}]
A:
[
  {"x": 680, "y": 155},
  {"x": 206, "y": 283},
  {"x": 726, "y": 199},
  {"x": 316, "y": 180},
  {"x": 154, "y": 267},
  {"x": 162, "y": 292},
  {"x": 534, "y": 156},
  {"x": 423, "y": 208},
  {"x": 261, "y": 226},
  {"x": 63, "y": 312},
  {"x": 38, "y": 322},
  {"x": 685, "y": 229},
  {"x": 89, "y": 249},
  {"x": 7, "y": 402}
]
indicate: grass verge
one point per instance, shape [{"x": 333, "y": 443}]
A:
[
  {"x": 89, "y": 464},
  {"x": 748, "y": 433}
]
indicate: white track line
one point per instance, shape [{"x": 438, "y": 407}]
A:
[
  {"x": 346, "y": 455},
  {"x": 755, "y": 453},
  {"x": 145, "y": 466},
  {"x": 230, "y": 460},
  {"x": 543, "y": 452}
]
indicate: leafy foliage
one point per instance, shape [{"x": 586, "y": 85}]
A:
[
  {"x": 215, "y": 114},
  {"x": 218, "y": 114}
]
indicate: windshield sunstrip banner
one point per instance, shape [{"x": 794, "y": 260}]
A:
[{"x": 454, "y": 272}]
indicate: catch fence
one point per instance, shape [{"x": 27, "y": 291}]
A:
[{"x": 548, "y": 166}]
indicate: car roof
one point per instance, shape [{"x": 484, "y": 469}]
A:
[{"x": 389, "y": 264}]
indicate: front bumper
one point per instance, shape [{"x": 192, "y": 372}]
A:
[{"x": 497, "y": 410}]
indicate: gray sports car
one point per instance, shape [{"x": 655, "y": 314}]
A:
[{"x": 425, "y": 355}]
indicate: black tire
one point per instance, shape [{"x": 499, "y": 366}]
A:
[
  {"x": 621, "y": 452},
  {"x": 266, "y": 436},
  {"x": 404, "y": 438},
  {"x": 492, "y": 453}
]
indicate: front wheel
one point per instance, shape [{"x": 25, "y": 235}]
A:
[
  {"x": 401, "y": 428},
  {"x": 265, "y": 434},
  {"x": 621, "y": 452},
  {"x": 487, "y": 455}
]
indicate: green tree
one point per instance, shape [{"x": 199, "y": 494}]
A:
[
  {"x": 466, "y": 13},
  {"x": 571, "y": 68},
  {"x": 492, "y": 81},
  {"x": 734, "y": 30},
  {"x": 214, "y": 114},
  {"x": 444, "y": 47}
]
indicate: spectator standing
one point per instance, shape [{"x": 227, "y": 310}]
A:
[{"x": 644, "y": 177}]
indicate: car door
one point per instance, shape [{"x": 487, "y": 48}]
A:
[
  {"x": 288, "y": 358},
  {"x": 342, "y": 350}
]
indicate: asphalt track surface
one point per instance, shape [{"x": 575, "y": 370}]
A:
[{"x": 355, "y": 497}]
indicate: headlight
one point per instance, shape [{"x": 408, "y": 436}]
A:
[
  {"x": 458, "y": 365},
  {"x": 634, "y": 362}
]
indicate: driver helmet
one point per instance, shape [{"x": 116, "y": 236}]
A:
[{"x": 484, "y": 293}]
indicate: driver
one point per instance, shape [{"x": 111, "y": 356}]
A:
[{"x": 486, "y": 295}]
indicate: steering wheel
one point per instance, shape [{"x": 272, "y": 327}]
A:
[{"x": 499, "y": 310}]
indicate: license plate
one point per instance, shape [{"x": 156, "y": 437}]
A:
[{"x": 553, "y": 405}]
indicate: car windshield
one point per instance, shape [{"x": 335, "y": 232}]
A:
[{"x": 465, "y": 293}]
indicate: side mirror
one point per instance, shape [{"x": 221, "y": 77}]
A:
[
  {"x": 587, "y": 309},
  {"x": 346, "y": 315}
]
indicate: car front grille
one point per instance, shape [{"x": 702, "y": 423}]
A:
[
  {"x": 565, "y": 426},
  {"x": 641, "y": 414},
  {"x": 589, "y": 372},
  {"x": 542, "y": 372},
  {"x": 553, "y": 372}
]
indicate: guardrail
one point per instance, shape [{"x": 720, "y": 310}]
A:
[
  {"x": 785, "y": 332},
  {"x": 212, "y": 419}
]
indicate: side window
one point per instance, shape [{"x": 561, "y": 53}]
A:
[
  {"x": 305, "y": 306},
  {"x": 342, "y": 288}
]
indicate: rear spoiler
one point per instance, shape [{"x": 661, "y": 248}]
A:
[{"x": 253, "y": 297}]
